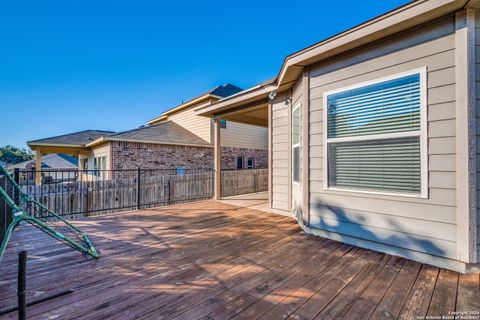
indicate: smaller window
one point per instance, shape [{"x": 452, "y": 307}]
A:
[
  {"x": 296, "y": 139},
  {"x": 250, "y": 163},
  {"x": 99, "y": 164},
  {"x": 223, "y": 124},
  {"x": 240, "y": 162}
]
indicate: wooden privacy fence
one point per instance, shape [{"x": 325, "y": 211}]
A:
[
  {"x": 102, "y": 191},
  {"x": 235, "y": 182}
]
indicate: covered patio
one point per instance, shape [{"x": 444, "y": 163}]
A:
[
  {"x": 247, "y": 107},
  {"x": 214, "y": 260}
]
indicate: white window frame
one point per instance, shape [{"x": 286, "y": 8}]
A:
[
  {"x": 422, "y": 134},
  {"x": 297, "y": 145}
]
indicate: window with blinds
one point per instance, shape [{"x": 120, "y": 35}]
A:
[{"x": 374, "y": 136}]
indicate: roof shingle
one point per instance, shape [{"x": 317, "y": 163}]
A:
[
  {"x": 165, "y": 132},
  {"x": 80, "y": 138}
]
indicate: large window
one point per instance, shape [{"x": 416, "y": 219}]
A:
[
  {"x": 375, "y": 136},
  {"x": 296, "y": 142}
]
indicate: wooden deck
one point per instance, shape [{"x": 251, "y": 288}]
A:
[{"x": 216, "y": 261}]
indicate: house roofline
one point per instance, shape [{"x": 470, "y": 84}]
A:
[
  {"x": 110, "y": 139},
  {"x": 389, "y": 23},
  {"x": 164, "y": 115},
  {"x": 33, "y": 146}
]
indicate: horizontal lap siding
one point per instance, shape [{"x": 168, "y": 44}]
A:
[
  {"x": 244, "y": 136},
  {"x": 477, "y": 78},
  {"x": 280, "y": 154},
  {"x": 191, "y": 121},
  {"x": 99, "y": 151},
  {"x": 424, "y": 225}
]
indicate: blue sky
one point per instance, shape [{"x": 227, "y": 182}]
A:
[{"x": 67, "y": 66}]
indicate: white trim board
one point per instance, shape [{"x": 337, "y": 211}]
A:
[{"x": 422, "y": 134}]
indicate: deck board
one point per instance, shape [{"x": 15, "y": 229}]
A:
[{"x": 214, "y": 260}]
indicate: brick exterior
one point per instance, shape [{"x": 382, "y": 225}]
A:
[
  {"x": 230, "y": 154},
  {"x": 130, "y": 155}
]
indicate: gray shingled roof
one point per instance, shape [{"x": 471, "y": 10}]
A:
[
  {"x": 80, "y": 138},
  {"x": 225, "y": 90},
  {"x": 165, "y": 132},
  {"x": 51, "y": 161}
]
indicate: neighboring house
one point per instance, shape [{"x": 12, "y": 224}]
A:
[
  {"x": 243, "y": 145},
  {"x": 373, "y": 133},
  {"x": 177, "y": 138},
  {"x": 51, "y": 162},
  {"x": 58, "y": 167}
]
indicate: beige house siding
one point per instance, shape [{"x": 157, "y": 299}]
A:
[
  {"x": 201, "y": 126},
  {"x": 477, "y": 79},
  {"x": 280, "y": 153},
  {"x": 99, "y": 151},
  {"x": 244, "y": 136},
  {"x": 421, "y": 225},
  {"x": 236, "y": 135}
]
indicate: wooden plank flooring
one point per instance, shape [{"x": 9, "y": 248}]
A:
[{"x": 211, "y": 260}]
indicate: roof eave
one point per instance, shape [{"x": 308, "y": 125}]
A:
[
  {"x": 164, "y": 116},
  {"x": 392, "y": 22},
  {"x": 250, "y": 95},
  {"x": 96, "y": 142},
  {"x": 33, "y": 145},
  {"x": 107, "y": 139}
]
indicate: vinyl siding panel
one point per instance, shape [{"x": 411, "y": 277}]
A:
[
  {"x": 423, "y": 225},
  {"x": 99, "y": 151},
  {"x": 244, "y": 136},
  {"x": 236, "y": 135},
  {"x": 201, "y": 126},
  {"x": 280, "y": 153},
  {"x": 477, "y": 78}
]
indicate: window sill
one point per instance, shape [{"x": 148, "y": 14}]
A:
[{"x": 372, "y": 192}]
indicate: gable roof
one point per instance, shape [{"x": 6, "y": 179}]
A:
[
  {"x": 217, "y": 93},
  {"x": 76, "y": 139},
  {"x": 163, "y": 133},
  {"x": 51, "y": 161}
]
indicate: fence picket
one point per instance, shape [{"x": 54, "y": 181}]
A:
[{"x": 93, "y": 192}]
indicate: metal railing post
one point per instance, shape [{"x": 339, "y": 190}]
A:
[
  {"x": 22, "y": 285},
  {"x": 16, "y": 177},
  {"x": 139, "y": 173}
]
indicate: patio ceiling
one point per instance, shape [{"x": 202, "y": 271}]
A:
[{"x": 255, "y": 113}]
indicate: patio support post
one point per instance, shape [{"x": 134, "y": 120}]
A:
[
  {"x": 38, "y": 167},
  {"x": 217, "y": 159},
  {"x": 466, "y": 164}
]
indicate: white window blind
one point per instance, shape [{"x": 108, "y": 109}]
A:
[{"x": 374, "y": 136}]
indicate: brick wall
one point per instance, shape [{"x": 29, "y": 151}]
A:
[
  {"x": 130, "y": 155},
  {"x": 229, "y": 157}
]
